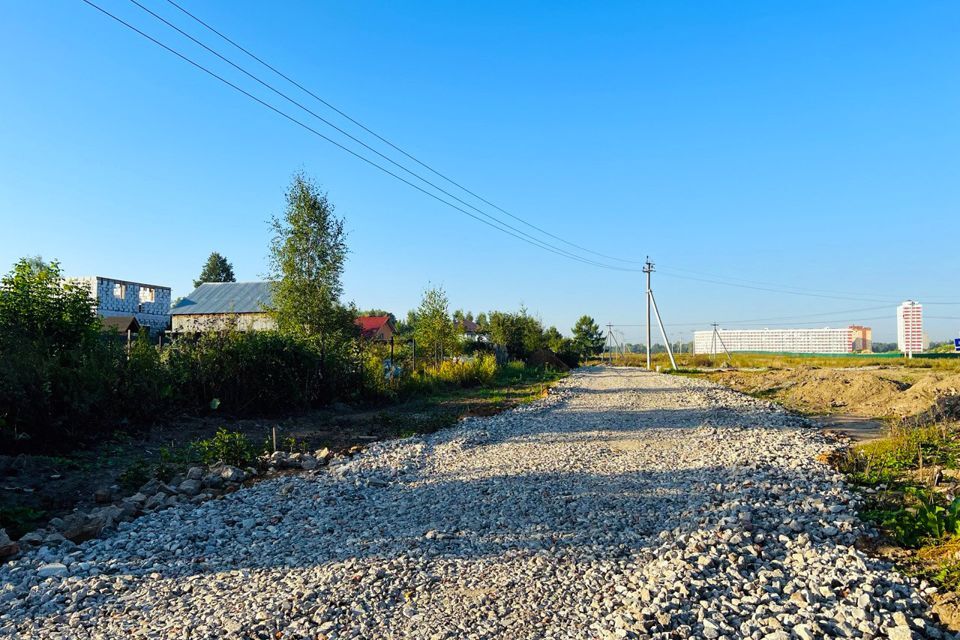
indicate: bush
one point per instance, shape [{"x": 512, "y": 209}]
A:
[
  {"x": 227, "y": 447},
  {"x": 57, "y": 373},
  {"x": 247, "y": 373}
]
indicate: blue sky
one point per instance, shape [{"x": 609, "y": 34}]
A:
[{"x": 807, "y": 146}]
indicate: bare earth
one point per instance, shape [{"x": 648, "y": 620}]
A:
[{"x": 625, "y": 505}]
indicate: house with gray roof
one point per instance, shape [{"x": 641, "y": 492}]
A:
[{"x": 217, "y": 306}]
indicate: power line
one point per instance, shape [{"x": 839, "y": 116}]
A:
[
  {"x": 729, "y": 279},
  {"x": 784, "y": 291},
  {"x": 383, "y": 139},
  {"x": 276, "y": 110},
  {"x": 340, "y": 130}
]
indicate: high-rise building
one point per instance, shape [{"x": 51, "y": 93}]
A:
[{"x": 910, "y": 327}]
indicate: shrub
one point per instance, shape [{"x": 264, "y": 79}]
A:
[
  {"x": 227, "y": 447},
  {"x": 248, "y": 373},
  {"x": 57, "y": 373}
]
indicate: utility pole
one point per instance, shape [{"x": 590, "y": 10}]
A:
[
  {"x": 648, "y": 269},
  {"x": 652, "y": 302},
  {"x": 716, "y": 336}
]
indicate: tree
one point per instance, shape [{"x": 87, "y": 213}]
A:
[
  {"x": 553, "y": 339},
  {"x": 307, "y": 255},
  {"x": 433, "y": 328},
  {"x": 587, "y": 337},
  {"x": 216, "y": 269}
]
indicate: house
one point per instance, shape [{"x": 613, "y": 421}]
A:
[
  {"x": 217, "y": 306},
  {"x": 470, "y": 330},
  {"x": 377, "y": 328},
  {"x": 149, "y": 304}
]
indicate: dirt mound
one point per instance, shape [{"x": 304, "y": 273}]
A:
[
  {"x": 848, "y": 391},
  {"x": 546, "y": 357},
  {"x": 861, "y": 392}
]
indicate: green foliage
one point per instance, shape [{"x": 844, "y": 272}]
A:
[
  {"x": 433, "y": 329},
  {"x": 263, "y": 372},
  {"x": 216, "y": 269},
  {"x": 56, "y": 370},
  {"x": 227, "y": 447},
  {"x": 920, "y": 518},
  {"x": 587, "y": 337},
  {"x": 133, "y": 477},
  {"x": 307, "y": 255},
  {"x": 519, "y": 332},
  {"x": 19, "y": 520}
]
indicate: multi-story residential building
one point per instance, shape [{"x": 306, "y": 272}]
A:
[
  {"x": 779, "y": 340},
  {"x": 148, "y": 303},
  {"x": 862, "y": 338},
  {"x": 910, "y": 336}
]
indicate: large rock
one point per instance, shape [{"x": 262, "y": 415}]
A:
[
  {"x": 8, "y": 547},
  {"x": 190, "y": 487},
  {"x": 78, "y": 527},
  {"x": 232, "y": 474},
  {"x": 52, "y": 569}
]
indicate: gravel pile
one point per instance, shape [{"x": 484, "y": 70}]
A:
[{"x": 625, "y": 505}]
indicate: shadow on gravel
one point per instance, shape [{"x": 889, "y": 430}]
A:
[{"x": 485, "y": 514}]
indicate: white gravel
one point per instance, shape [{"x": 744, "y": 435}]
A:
[{"x": 625, "y": 505}]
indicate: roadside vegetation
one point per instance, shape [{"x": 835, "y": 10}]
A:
[{"x": 82, "y": 408}]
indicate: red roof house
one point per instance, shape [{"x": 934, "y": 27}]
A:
[{"x": 379, "y": 328}]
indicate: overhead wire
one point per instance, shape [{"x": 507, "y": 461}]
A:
[
  {"x": 388, "y": 142},
  {"x": 337, "y": 128},
  {"x": 519, "y": 236}
]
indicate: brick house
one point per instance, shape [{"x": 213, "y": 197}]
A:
[{"x": 149, "y": 304}]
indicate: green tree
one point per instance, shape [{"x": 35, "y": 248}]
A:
[
  {"x": 433, "y": 329},
  {"x": 56, "y": 372},
  {"x": 553, "y": 339},
  {"x": 307, "y": 256},
  {"x": 587, "y": 337},
  {"x": 216, "y": 269}
]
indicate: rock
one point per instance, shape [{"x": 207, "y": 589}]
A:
[
  {"x": 32, "y": 538},
  {"x": 190, "y": 487},
  {"x": 322, "y": 455},
  {"x": 156, "y": 500},
  {"x": 103, "y": 495},
  {"x": 52, "y": 569},
  {"x": 901, "y": 633},
  {"x": 8, "y": 547},
  {"x": 78, "y": 527},
  {"x": 308, "y": 462},
  {"x": 212, "y": 481},
  {"x": 195, "y": 473},
  {"x": 232, "y": 474}
]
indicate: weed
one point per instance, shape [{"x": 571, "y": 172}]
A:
[{"x": 134, "y": 477}]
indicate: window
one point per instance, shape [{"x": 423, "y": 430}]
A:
[
  {"x": 120, "y": 290},
  {"x": 147, "y": 294}
]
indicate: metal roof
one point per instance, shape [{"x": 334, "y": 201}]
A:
[{"x": 225, "y": 297}]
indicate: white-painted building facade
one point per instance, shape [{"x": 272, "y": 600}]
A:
[
  {"x": 148, "y": 303},
  {"x": 910, "y": 338},
  {"x": 824, "y": 340}
]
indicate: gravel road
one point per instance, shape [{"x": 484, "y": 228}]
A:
[{"x": 625, "y": 505}]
